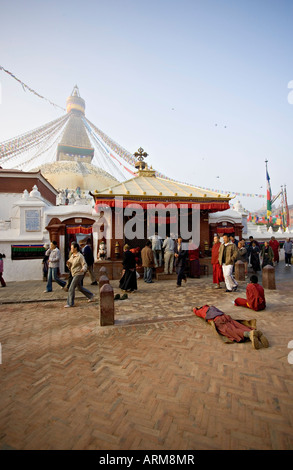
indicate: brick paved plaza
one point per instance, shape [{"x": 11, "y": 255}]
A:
[{"x": 159, "y": 379}]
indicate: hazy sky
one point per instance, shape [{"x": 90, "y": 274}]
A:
[{"x": 161, "y": 74}]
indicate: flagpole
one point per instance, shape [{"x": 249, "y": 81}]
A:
[
  {"x": 268, "y": 191},
  {"x": 283, "y": 215},
  {"x": 287, "y": 208},
  {"x": 266, "y": 162}
]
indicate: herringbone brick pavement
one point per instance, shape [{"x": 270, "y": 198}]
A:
[{"x": 160, "y": 379}]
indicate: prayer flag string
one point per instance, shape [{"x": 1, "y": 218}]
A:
[{"x": 26, "y": 87}]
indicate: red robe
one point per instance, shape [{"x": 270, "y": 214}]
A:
[
  {"x": 217, "y": 268},
  {"x": 255, "y": 298},
  {"x": 274, "y": 244},
  {"x": 193, "y": 252},
  {"x": 193, "y": 255},
  {"x": 225, "y": 325}
]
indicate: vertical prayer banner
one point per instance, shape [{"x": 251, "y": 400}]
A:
[{"x": 269, "y": 193}]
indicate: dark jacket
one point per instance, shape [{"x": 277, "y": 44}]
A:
[
  {"x": 181, "y": 260},
  {"x": 88, "y": 255},
  {"x": 242, "y": 254},
  {"x": 230, "y": 251},
  {"x": 128, "y": 260}
]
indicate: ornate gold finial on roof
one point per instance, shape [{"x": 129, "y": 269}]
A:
[
  {"x": 140, "y": 155},
  {"x": 141, "y": 165}
]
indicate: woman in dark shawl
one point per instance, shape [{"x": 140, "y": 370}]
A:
[
  {"x": 128, "y": 281},
  {"x": 254, "y": 257}
]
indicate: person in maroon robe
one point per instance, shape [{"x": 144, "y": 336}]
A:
[
  {"x": 233, "y": 330},
  {"x": 193, "y": 256},
  {"x": 217, "y": 268},
  {"x": 275, "y": 245},
  {"x": 255, "y": 296}
]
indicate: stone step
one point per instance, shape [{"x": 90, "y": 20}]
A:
[{"x": 166, "y": 277}]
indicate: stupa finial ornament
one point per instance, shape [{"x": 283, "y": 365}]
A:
[{"x": 140, "y": 155}]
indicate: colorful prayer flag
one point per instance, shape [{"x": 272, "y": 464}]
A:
[{"x": 269, "y": 195}]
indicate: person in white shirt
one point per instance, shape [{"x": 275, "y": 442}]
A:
[
  {"x": 288, "y": 251},
  {"x": 168, "y": 246},
  {"x": 54, "y": 258},
  {"x": 157, "y": 249}
]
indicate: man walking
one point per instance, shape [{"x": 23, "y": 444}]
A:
[
  {"x": 157, "y": 249},
  {"x": 54, "y": 257},
  {"x": 288, "y": 251},
  {"x": 147, "y": 258},
  {"x": 180, "y": 261},
  {"x": 89, "y": 259},
  {"x": 168, "y": 246},
  {"x": 275, "y": 245},
  {"x": 227, "y": 257}
]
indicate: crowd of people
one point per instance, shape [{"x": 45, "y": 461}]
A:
[
  {"x": 177, "y": 256},
  {"x": 172, "y": 253},
  {"x": 226, "y": 253}
]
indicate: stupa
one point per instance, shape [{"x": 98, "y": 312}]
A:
[{"x": 73, "y": 167}]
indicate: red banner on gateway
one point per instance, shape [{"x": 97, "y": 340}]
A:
[
  {"x": 225, "y": 229},
  {"x": 79, "y": 229}
]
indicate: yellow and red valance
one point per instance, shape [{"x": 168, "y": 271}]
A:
[{"x": 79, "y": 229}]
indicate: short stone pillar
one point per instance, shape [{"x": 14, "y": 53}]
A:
[
  {"x": 103, "y": 271},
  {"x": 240, "y": 271},
  {"x": 106, "y": 305},
  {"x": 103, "y": 280},
  {"x": 268, "y": 277}
]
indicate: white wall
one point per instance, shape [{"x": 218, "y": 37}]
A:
[
  {"x": 6, "y": 202},
  {"x": 22, "y": 270},
  {"x": 19, "y": 270}
]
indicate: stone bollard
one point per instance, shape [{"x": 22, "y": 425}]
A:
[
  {"x": 239, "y": 271},
  {"x": 103, "y": 271},
  {"x": 103, "y": 280},
  {"x": 106, "y": 305},
  {"x": 268, "y": 277}
]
